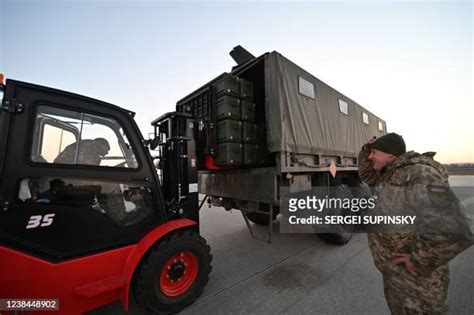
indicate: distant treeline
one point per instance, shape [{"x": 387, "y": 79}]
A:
[
  {"x": 460, "y": 168},
  {"x": 456, "y": 165}
]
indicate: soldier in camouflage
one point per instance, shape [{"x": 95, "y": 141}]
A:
[
  {"x": 89, "y": 152},
  {"x": 413, "y": 260}
]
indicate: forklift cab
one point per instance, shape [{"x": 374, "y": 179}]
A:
[
  {"x": 82, "y": 213},
  {"x": 80, "y": 163}
]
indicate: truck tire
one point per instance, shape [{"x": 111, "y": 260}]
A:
[
  {"x": 173, "y": 274},
  {"x": 338, "y": 238},
  {"x": 335, "y": 238}
]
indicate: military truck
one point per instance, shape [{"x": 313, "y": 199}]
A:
[{"x": 269, "y": 124}]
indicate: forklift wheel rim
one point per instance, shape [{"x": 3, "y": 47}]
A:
[{"x": 172, "y": 285}]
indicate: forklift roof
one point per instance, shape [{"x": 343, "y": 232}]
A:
[{"x": 78, "y": 96}]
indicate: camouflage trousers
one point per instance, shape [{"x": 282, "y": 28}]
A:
[{"x": 420, "y": 295}]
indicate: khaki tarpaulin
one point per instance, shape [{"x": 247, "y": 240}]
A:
[{"x": 301, "y": 124}]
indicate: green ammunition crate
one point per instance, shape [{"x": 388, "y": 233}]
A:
[
  {"x": 227, "y": 107},
  {"x": 229, "y": 153},
  {"x": 249, "y": 132},
  {"x": 250, "y": 154},
  {"x": 227, "y": 84},
  {"x": 246, "y": 89},
  {"x": 229, "y": 130},
  {"x": 248, "y": 110}
]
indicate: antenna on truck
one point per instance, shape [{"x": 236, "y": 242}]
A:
[{"x": 241, "y": 55}]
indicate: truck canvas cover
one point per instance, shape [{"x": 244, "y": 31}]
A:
[{"x": 311, "y": 123}]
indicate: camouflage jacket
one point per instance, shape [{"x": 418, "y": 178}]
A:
[{"x": 415, "y": 184}]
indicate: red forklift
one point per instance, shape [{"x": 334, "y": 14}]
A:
[{"x": 85, "y": 218}]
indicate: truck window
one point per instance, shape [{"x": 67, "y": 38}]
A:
[
  {"x": 343, "y": 107},
  {"x": 365, "y": 118},
  {"x": 305, "y": 87},
  {"x": 76, "y": 138}
]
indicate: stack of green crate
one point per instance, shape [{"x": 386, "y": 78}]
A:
[
  {"x": 229, "y": 125},
  {"x": 253, "y": 133},
  {"x": 239, "y": 137}
]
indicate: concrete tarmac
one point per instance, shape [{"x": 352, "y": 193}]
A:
[{"x": 297, "y": 274}]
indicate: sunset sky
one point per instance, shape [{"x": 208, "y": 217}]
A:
[{"x": 409, "y": 63}]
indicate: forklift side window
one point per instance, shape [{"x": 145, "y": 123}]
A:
[
  {"x": 76, "y": 138},
  {"x": 124, "y": 204}
]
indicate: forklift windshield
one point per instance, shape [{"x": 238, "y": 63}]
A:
[{"x": 78, "y": 138}]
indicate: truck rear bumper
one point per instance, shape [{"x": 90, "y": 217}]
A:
[{"x": 256, "y": 184}]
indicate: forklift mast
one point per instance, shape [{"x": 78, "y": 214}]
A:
[{"x": 174, "y": 134}]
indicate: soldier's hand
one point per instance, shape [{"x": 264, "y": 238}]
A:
[
  {"x": 370, "y": 141},
  {"x": 403, "y": 258}
]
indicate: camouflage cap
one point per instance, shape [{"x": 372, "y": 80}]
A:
[{"x": 390, "y": 143}]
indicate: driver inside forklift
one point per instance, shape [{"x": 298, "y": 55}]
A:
[
  {"x": 56, "y": 187},
  {"x": 70, "y": 138},
  {"x": 86, "y": 151},
  {"x": 122, "y": 203}
]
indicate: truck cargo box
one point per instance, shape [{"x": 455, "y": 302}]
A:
[
  {"x": 305, "y": 115},
  {"x": 306, "y": 123}
]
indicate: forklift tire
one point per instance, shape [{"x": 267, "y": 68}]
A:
[
  {"x": 173, "y": 274},
  {"x": 335, "y": 238}
]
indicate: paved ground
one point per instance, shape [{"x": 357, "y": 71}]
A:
[{"x": 298, "y": 274}]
